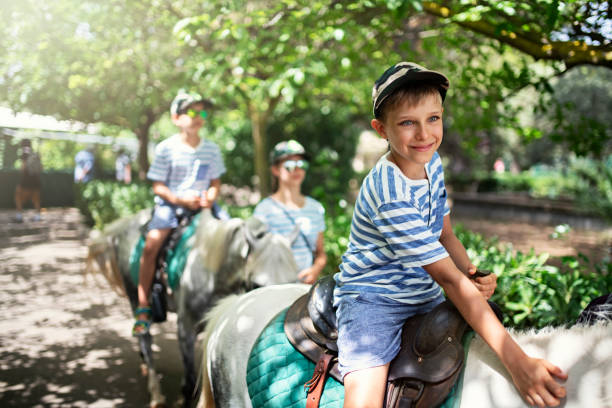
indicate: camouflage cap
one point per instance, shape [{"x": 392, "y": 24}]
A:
[
  {"x": 287, "y": 148},
  {"x": 185, "y": 98},
  {"x": 401, "y": 74}
]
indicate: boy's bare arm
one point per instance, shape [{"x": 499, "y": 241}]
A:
[
  {"x": 454, "y": 247},
  {"x": 487, "y": 284},
  {"x": 210, "y": 196},
  {"x": 532, "y": 377},
  {"x": 164, "y": 192}
]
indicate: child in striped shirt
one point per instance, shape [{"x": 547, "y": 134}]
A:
[
  {"x": 186, "y": 173},
  {"x": 403, "y": 253}
]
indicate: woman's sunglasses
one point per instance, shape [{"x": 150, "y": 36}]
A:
[
  {"x": 291, "y": 165},
  {"x": 192, "y": 113}
]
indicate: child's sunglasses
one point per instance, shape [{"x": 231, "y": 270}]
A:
[
  {"x": 291, "y": 165},
  {"x": 192, "y": 113}
]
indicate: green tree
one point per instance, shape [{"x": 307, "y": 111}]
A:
[
  {"x": 572, "y": 31},
  {"x": 259, "y": 54},
  {"x": 115, "y": 62},
  {"x": 512, "y": 46}
]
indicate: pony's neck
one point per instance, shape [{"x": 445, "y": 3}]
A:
[{"x": 584, "y": 352}]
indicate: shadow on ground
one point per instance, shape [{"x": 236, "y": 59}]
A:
[{"x": 65, "y": 338}]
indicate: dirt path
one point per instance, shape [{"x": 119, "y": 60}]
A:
[{"x": 65, "y": 339}]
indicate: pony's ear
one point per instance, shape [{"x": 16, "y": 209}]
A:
[
  {"x": 244, "y": 249},
  {"x": 256, "y": 228}
]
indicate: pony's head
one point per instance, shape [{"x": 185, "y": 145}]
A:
[
  {"x": 243, "y": 254},
  {"x": 271, "y": 261}
]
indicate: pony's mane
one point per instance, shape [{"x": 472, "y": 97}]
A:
[
  {"x": 212, "y": 239},
  {"x": 212, "y": 318},
  {"x": 598, "y": 309}
]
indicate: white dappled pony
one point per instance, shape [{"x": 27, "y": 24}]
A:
[
  {"x": 584, "y": 352},
  {"x": 226, "y": 257}
]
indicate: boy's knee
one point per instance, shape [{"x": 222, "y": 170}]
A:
[
  {"x": 153, "y": 243},
  {"x": 149, "y": 252},
  {"x": 366, "y": 388}
]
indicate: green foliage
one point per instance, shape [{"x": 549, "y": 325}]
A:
[
  {"x": 569, "y": 31},
  {"x": 114, "y": 62},
  {"x": 336, "y": 235},
  {"x": 592, "y": 188},
  {"x": 102, "y": 202},
  {"x": 58, "y": 154},
  {"x": 329, "y": 138},
  {"x": 576, "y": 114},
  {"x": 532, "y": 293},
  {"x": 507, "y": 48},
  {"x": 585, "y": 182},
  {"x": 264, "y": 62},
  {"x": 270, "y": 55}
]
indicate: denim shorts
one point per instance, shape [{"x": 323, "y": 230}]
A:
[
  {"x": 370, "y": 329},
  {"x": 164, "y": 217}
]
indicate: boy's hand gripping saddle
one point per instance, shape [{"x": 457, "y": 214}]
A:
[{"x": 421, "y": 375}]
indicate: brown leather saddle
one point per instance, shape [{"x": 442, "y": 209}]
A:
[{"x": 421, "y": 375}]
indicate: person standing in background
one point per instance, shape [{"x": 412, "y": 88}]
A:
[
  {"x": 84, "y": 166},
  {"x": 29, "y": 184},
  {"x": 123, "y": 167}
]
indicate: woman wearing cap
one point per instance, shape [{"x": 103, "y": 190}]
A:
[{"x": 287, "y": 211}]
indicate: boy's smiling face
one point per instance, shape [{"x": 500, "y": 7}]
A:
[{"x": 414, "y": 133}]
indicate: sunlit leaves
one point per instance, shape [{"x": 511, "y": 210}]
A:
[
  {"x": 257, "y": 55},
  {"x": 112, "y": 62},
  {"x": 532, "y": 293}
]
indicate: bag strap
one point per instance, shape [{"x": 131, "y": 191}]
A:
[{"x": 294, "y": 223}]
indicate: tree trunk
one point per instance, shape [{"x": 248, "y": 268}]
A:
[
  {"x": 143, "y": 158},
  {"x": 258, "y": 122},
  {"x": 143, "y": 145},
  {"x": 259, "y": 113}
]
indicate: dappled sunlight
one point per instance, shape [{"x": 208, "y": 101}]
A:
[{"x": 65, "y": 339}]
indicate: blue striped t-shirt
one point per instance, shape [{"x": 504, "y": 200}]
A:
[
  {"x": 184, "y": 169},
  {"x": 310, "y": 219},
  {"x": 395, "y": 231}
]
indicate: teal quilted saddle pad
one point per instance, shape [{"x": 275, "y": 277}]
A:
[
  {"x": 175, "y": 258},
  {"x": 276, "y": 373}
]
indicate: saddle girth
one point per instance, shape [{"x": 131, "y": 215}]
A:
[{"x": 421, "y": 375}]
